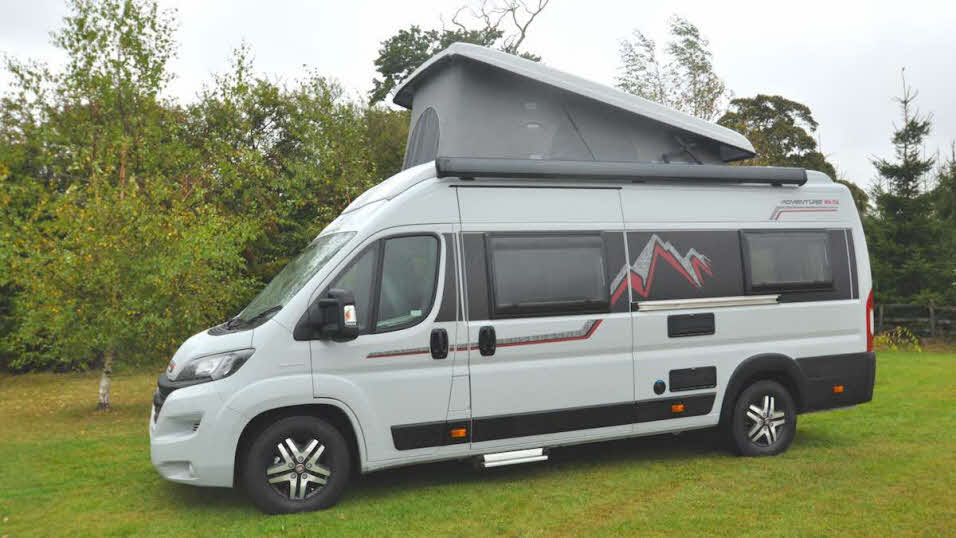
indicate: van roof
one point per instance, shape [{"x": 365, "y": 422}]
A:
[
  {"x": 393, "y": 186},
  {"x": 573, "y": 118}
]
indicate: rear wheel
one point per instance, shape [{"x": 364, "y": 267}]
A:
[
  {"x": 295, "y": 465},
  {"x": 764, "y": 421}
]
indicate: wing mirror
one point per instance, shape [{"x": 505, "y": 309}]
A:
[{"x": 332, "y": 317}]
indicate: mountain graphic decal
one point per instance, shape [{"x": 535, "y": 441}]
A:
[{"x": 692, "y": 266}]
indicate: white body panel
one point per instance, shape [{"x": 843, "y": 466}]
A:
[{"x": 616, "y": 363}]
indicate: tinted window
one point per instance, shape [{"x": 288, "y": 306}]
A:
[
  {"x": 547, "y": 274},
  {"x": 788, "y": 260},
  {"x": 409, "y": 272},
  {"x": 357, "y": 278}
]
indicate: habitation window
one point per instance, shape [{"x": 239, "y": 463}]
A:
[
  {"x": 790, "y": 260},
  {"x": 547, "y": 274}
]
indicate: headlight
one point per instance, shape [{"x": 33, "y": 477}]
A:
[{"x": 216, "y": 366}]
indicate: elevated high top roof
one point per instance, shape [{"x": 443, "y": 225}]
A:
[{"x": 472, "y": 101}]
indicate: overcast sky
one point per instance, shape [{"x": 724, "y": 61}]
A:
[{"x": 840, "y": 58}]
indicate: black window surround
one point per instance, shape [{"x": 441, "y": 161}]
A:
[
  {"x": 784, "y": 287},
  {"x": 545, "y": 309},
  {"x": 379, "y": 246}
]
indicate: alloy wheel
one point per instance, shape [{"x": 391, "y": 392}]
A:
[
  {"x": 764, "y": 421},
  {"x": 296, "y": 470}
]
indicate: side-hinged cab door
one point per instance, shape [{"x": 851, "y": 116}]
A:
[
  {"x": 549, "y": 341},
  {"x": 397, "y": 374}
]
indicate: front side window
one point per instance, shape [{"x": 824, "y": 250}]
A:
[
  {"x": 409, "y": 275},
  {"x": 358, "y": 278},
  {"x": 787, "y": 261},
  {"x": 547, "y": 274}
]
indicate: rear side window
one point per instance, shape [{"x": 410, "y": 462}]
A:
[
  {"x": 791, "y": 260},
  {"x": 547, "y": 274}
]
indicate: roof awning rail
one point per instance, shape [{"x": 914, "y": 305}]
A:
[{"x": 472, "y": 167}]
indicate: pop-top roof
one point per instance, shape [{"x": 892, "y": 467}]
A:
[{"x": 472, "y": 101}]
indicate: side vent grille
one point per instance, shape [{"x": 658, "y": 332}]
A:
[{"x": 195, "y": 426}]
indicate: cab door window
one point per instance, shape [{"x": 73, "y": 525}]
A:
[
  {"x": 358, "y": 278},
  {"x": 408, "y": 282}
]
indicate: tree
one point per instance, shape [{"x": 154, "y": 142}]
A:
[
  {"x": 291, "y": 157},
  {"x": 904, "y": 232},
  {"x": 945, "y": 191},
  {"x": 945, "y": 201},
  {"x": 682, "y": 77},
  {"x": 503, "y": 24},
  {"x": 116, "y": 253},
  {"x": 387, "y": 132},
  {"x": 781, "y": 132}
]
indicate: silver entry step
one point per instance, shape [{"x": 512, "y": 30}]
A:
[{"x": 512, "y": 458}]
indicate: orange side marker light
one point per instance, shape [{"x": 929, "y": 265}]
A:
[
  {"x": 837, "y": 389},
  {"x": 677, "y": 408},
  {"x": 458, "y": 433}
]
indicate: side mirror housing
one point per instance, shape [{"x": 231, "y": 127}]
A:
[{"x": 332, "y": 317}]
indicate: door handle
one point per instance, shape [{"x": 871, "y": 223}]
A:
[
  {"x": 439, "y": 343},
  {"x": 487, "y": 341}
]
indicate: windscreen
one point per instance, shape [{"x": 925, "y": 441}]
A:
[{"x": 295, "y": 275}]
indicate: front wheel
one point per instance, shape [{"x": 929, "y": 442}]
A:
[
  {"x": 764, "y": 422},
  {"x": 297, "y": 464}
]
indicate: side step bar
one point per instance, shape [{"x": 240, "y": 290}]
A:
[{"x": 512, "y": 458}]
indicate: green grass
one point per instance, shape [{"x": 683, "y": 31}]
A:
[{"x": 885, "y": 467}]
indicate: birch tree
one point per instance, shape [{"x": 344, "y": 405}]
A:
[{"x": 681, "y": 75}]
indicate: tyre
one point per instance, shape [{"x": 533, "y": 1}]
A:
[
  {"x": 764, "y": 420},
  {"x": 297, "y": 464}
]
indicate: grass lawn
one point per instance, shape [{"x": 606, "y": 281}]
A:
[{"x": 885, "y": 467}]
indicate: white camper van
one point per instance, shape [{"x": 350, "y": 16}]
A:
[{"x": 559, "y": 263}]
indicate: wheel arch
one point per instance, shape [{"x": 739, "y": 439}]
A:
[
  {"x": 333, "y": 411},
  {"x": 773, "y": 366}
]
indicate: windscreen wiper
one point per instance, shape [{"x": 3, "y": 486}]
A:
[
  {"x": 264, "y": 313},
  {"x": 237, "y": 321}
]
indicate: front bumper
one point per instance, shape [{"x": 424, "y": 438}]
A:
[{"x": 193, "y": 436}]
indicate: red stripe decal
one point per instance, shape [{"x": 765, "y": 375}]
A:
[
  {"x": 553, "y": 340},
  {"x": 807, "y": 210},
  {"x": 396, "y": 354},
  {"x": 474, "y": 347}
]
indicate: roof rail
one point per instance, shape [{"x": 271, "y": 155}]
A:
[{"x": 470, "y": 167}]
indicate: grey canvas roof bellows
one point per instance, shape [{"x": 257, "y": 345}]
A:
[{"x": 472, "y": 101}]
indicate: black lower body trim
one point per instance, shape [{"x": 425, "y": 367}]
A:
[
  {"x": 411, "y": 436},
  {"x": 651, "y": 410},
  {"x": 428, "y": 434},
  {"x": 854, "y": 372}
]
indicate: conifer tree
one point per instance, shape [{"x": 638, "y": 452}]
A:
[{"x": 904, "y": 233}]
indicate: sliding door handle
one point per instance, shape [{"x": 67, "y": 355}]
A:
[{"x": 487, "y": 341}]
